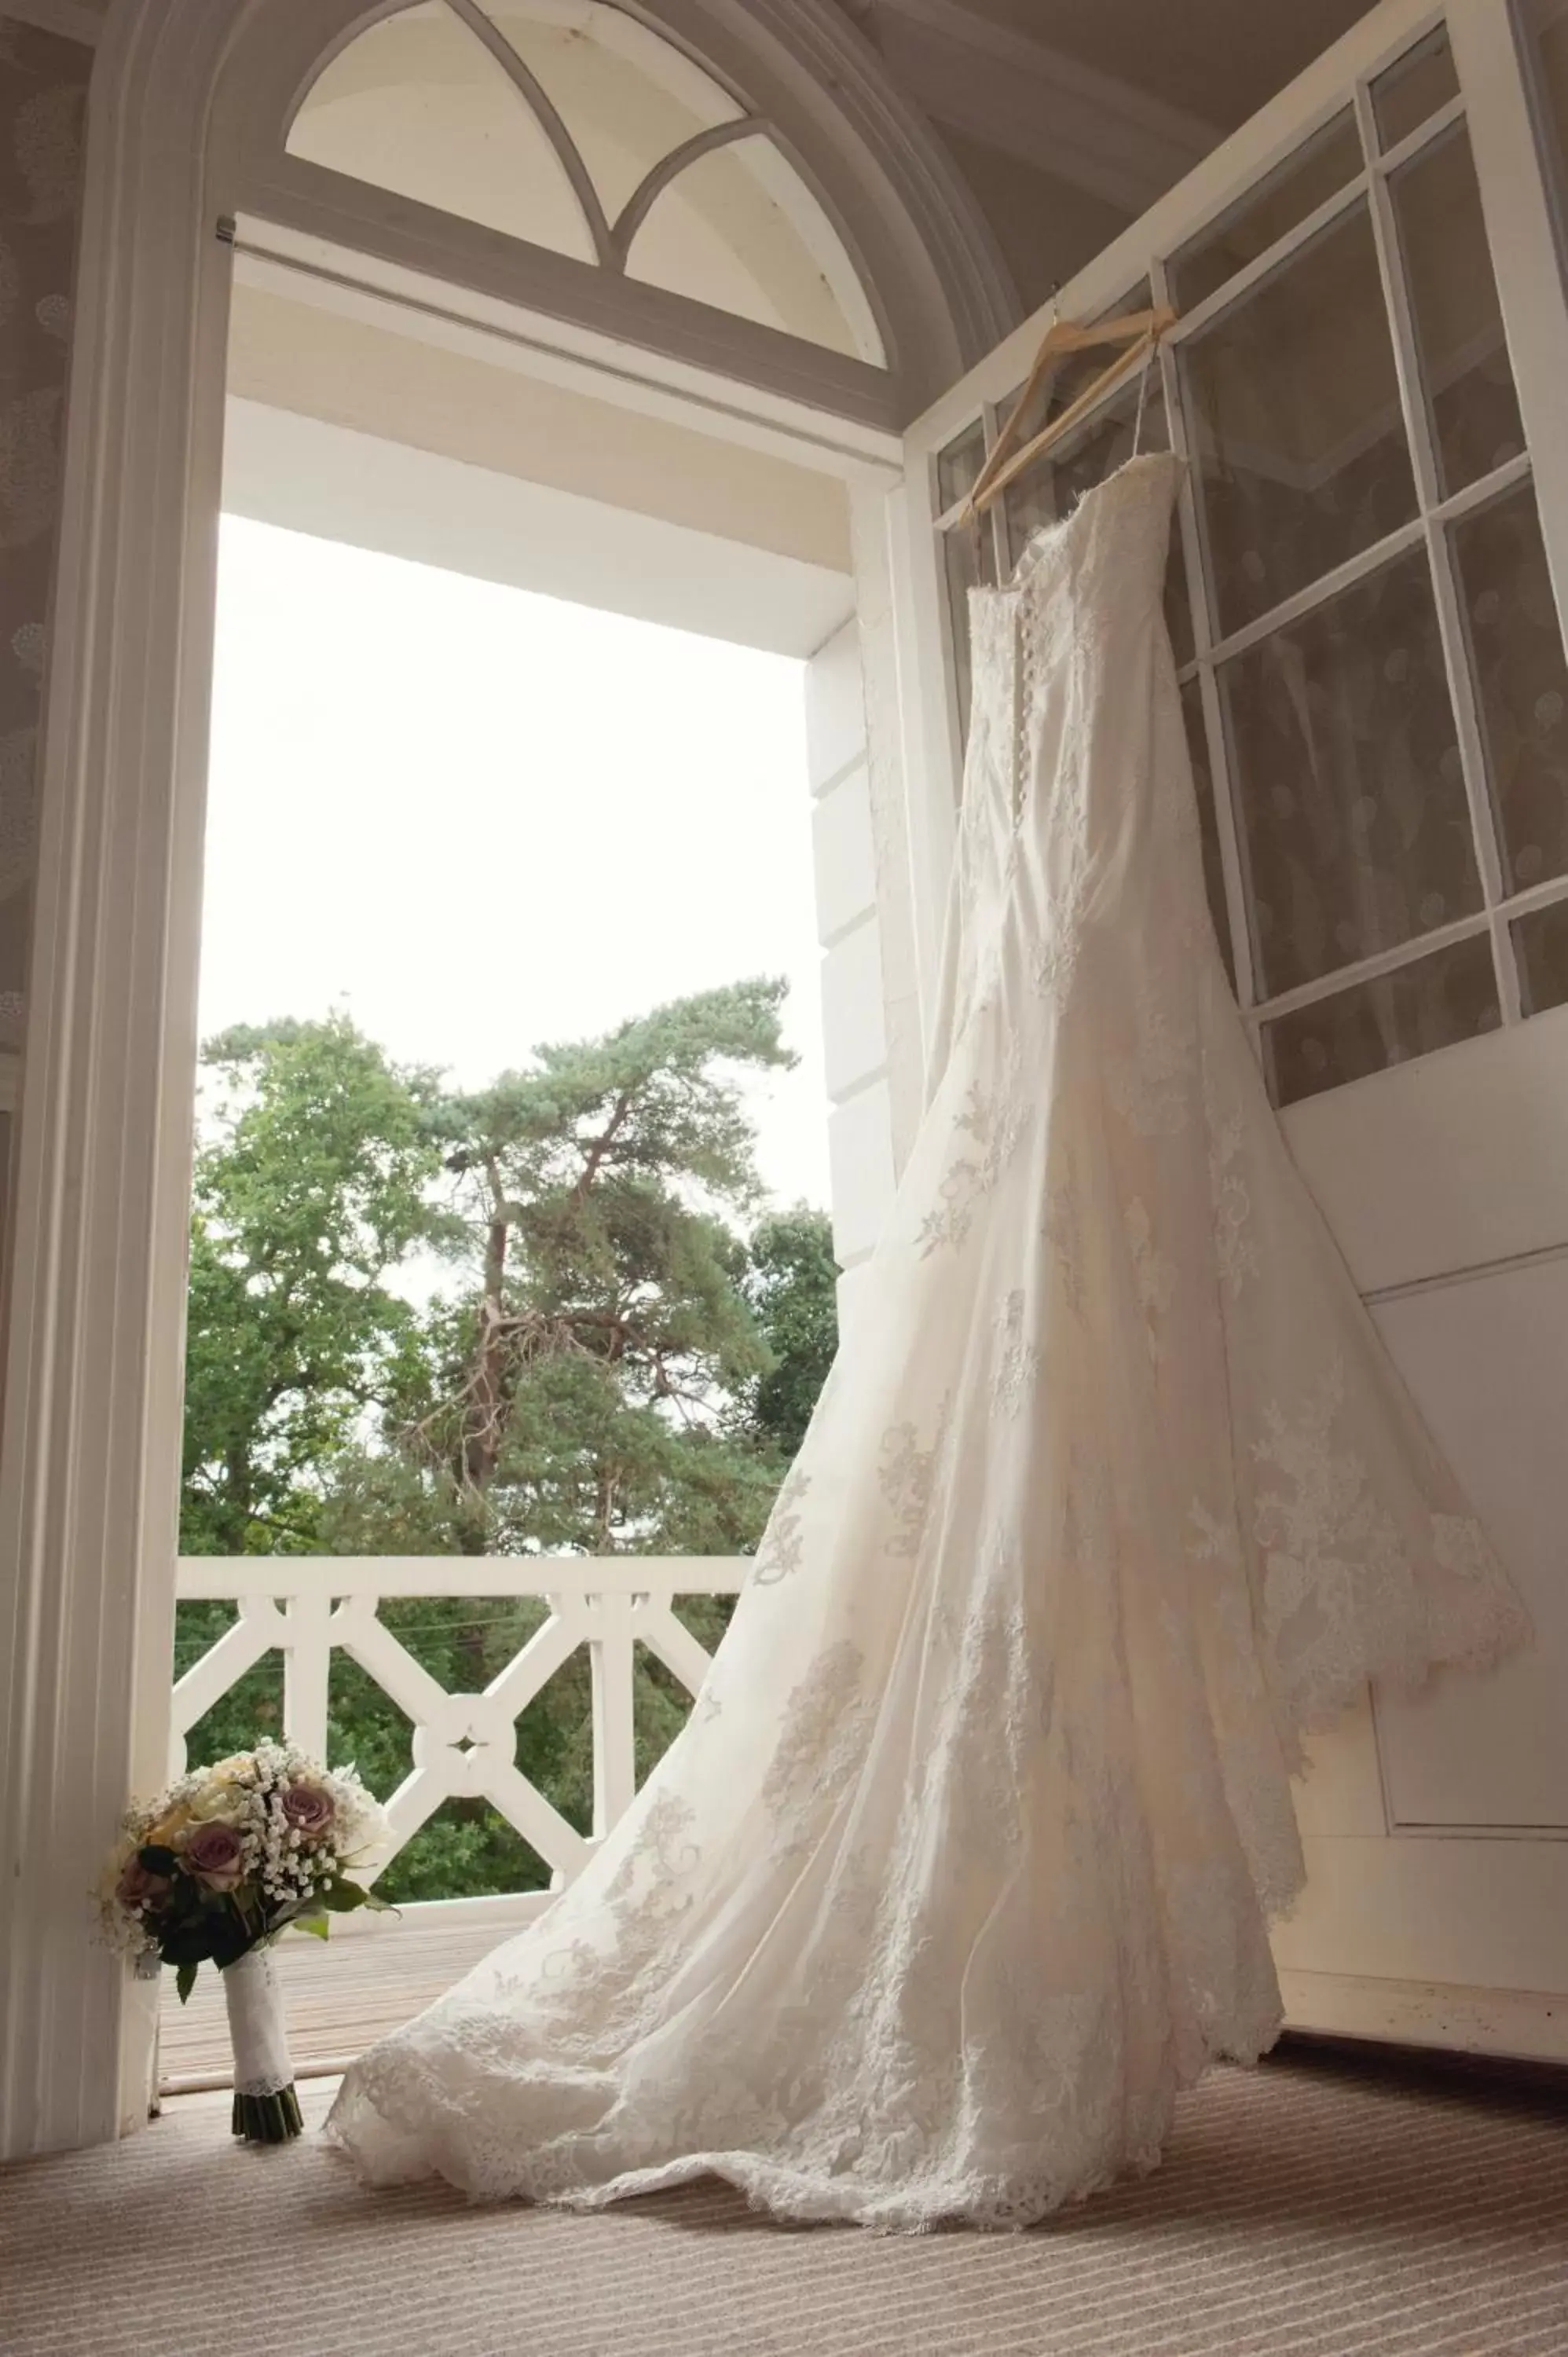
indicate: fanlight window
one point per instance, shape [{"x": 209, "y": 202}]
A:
[{"x": 571, "y": 125}]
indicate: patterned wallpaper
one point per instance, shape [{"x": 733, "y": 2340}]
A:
[{"x": 43, "y": 89}]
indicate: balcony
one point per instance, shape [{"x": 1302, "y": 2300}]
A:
[{"x": 376, "y": 1970}]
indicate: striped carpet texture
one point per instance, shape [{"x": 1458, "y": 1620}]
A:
[{"x": 1317, "y": 2207}]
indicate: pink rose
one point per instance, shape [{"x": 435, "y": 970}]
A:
[
  {"x": 136, "y": 1886},
  {"x": 308, "y": 1808},
  {"x": 214, "y": 1854}
]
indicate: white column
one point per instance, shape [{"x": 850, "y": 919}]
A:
[
  {"x": 850, "y": 928},
  {"x": 90, "y": 1462}
]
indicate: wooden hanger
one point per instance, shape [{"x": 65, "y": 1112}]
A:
[{"x": 1139, "y": 331}]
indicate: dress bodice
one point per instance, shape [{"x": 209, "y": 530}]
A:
[
  {"x": 1079, "y": 600},
  {"x": 1057, "y": 771}
]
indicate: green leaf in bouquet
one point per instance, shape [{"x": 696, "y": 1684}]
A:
[
  {"x": 343, "y": 1896},
  {"x": 316, "y": 1925},
  {"x": 185, "y": 1981},
  {"x": 187, "y": 1944},
  {"x": 155, "y": 1859},
  {"x": 232, "y": 1938}
]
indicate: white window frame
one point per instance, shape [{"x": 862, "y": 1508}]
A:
[{"x": 1497, "y": 101}]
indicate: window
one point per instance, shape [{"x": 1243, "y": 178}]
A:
[
  {"x": 1371, "y": 657},
  {"x": 571, "y": 124}
]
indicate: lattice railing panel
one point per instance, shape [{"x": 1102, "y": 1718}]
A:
[{"x": 464, "y": 1745}]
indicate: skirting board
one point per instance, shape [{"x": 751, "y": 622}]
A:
[{"x": 1530, "y": 2024}]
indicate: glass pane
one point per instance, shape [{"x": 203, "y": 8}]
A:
[
  {"x": 1328, "y": 162},
  {"x": 1073, "y": 372},
  {"x": 1548, "y": 21},
  {"x": 628, "y": 97},
  {"x": 958, "y": 466},
  {"x": 1299, "y": 452},
  {"x": 1431, "y": 1002},
  {"x": 417, "y": 105},
  {"x": 1415, "y": 88},
  {"x": 1454, "y": 301},
  {"x": 1104, "y": 442},
  {"x": 1054, "y": 484},
  {"x": 1208, "y": 832},
  {"x": 1521, "y": 681},
  {"x": 1541, "y": 941},
  {"x": 739, "y": 228},
  {"x": 966, "y": 563},
  {"x": 1354, "y": 827}
]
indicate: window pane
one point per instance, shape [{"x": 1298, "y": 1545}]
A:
[
  {"x": 1548, "y": 20},
  {"x": 417, "y": 105},
  {"x": 1521, "y": 681},
  {"x": 1431, "y": 1002},
  {"x": 1072, "y": 372},
  {"x": 627, "y": 97},
  {"x": 1354, "y": 827},
  {"x": 966, "y": 562},
  {"x": 1298, "y": 448},
  {"x": 1208, "y": 832},
  {"x": 738, "y": 227},
  {"x": 1541, "y": 941},
  {"x": 1052, "y": 488},
  {"x": 1329, "y": 161},
  {"x": 958, "y": 466},
  {"x": 1453, "y": 301},
  {"x": 1414, "y": 87}
]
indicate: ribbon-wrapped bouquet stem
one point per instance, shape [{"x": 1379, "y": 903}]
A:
[{"x": 222, "y": 1863}]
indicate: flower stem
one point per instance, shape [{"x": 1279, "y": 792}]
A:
[{"x": 268, "y": 2119}]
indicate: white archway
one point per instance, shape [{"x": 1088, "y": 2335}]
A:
[{"x": 191, "y": 100}]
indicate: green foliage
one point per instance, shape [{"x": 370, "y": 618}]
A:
[
  {"x": 317, "y": 1186},
  {"x": 612, "y": 1367},
  {"x": 791, "y": 1286}
]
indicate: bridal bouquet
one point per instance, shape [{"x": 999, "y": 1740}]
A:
[{"x": 216, "y": 1868}]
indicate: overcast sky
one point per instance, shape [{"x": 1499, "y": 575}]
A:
[{"x": 479, "y": 819}]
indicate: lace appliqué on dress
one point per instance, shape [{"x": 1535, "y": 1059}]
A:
[
  {"x": 993, "y": 1118},
  {"x": 1153, "y": 1088},
  {"x": 784, "y": 1541},
  {"x": 1235, "y": 1251},
  {"x": 1017, "y": 1365},
  {"x": 1153, "y": 1275}
]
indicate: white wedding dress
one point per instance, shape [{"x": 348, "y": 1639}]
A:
[{"x": 962, "y": 1865}]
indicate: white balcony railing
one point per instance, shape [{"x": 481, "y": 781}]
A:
[{"x": 464, "y": 1744}]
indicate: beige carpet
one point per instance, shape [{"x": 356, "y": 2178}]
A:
[{"x": 1311, "y": 2209}]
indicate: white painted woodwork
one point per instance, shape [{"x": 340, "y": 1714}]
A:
[
  {"x": 341, "y": 484},
  {"x": 843, "y": 856},
  {"x": 835, "y": 710},
  {"x": 854, "y": 1031},
  {"x": 464, "y": 1745},
  {"x": 1486, "y": 1358},
  {"x": 858, "y": 882},
  {"x": 860, "y": 1161},
  {"x": 1451, "y": 1162},
  {"x": 290, "y": 351},
  {"x": 1436, "y": 1827}
]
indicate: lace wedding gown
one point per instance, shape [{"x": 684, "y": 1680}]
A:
[{"x": 962, "y": 1865}]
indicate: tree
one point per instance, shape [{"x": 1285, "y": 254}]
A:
[
  {"x": 592, "y": 1380},
  {"x": 792, "y": 1283},
  {"x": 314, "y": 1188},
  {"x": 573, "y": 1397}
]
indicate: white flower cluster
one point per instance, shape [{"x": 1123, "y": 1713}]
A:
[{"x": 296, "y": 1827}]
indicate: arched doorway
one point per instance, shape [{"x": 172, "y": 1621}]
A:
[{"x": 856, "y": 232}]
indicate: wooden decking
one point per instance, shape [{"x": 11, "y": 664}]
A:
[{"x": 340, "y": 1994}]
